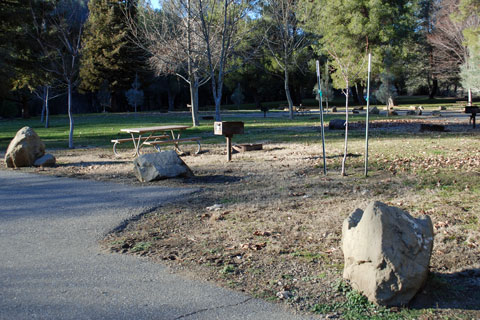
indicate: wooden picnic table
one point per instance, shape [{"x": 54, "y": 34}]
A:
[
  {"x": 473, "y": 110},
  {"x": 145, "y": 136}
]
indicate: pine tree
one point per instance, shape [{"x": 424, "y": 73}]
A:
[
  {"x": 14, "y": 53},
  {"x": 349, "y": 29},
  {"x": 22, "y": 60},
  {"x": 107, "y": 53}
]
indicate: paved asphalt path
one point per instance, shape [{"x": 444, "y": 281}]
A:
[{"x": 51, "y": 266}]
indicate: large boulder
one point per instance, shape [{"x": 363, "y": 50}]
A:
[
  {"x": 162, "y": 165},
  {"x": 24, "y": 149},
  {"x": 336, "y": 124},
  {"x": 387, "y": 253},
  {"x": 374, "y": 110}
]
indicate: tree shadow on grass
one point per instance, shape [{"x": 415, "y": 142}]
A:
[{"x": 459, "y": 290}]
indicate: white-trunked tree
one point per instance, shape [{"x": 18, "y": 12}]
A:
[
  {"x": 284, "y": 38},
  {"x": 224, "y": 26},
  {"x": 172, "y": 38},
  {"x": 58, "y": 35}
]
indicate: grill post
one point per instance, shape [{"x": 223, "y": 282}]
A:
[{"x": 228, "y": 129}]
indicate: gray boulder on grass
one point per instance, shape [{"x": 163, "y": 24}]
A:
[
  {"x": 24, "y": 149},
  {"x": 387, "y": 253},
  {"x": 336, "y": 124},
  {"x": 162, "y": 165},
  {"x": 374, "y": 110}
]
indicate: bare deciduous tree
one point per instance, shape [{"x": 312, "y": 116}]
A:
[
  {"x": 351, "y": 65},
  {"x": 220, "y": 29},
  {"x": 172, "y": 38},
  {"x": 284, "y": 37},
  {"x": 58, "y": 35},
  {"x": 192, "y": 39},
  {"x": 447, "y": 40},
  {"x": 44, "y": 93}
]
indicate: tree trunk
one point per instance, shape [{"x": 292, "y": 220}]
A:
[
  {"x": 345, "y": 151},
  {"x": 171, "y": 100},
  {"x": 356, "y": 98},
  {"x": 25, "y": 109},
  {"x": 297, "y": 95},
  {"x": 218, "y": 96},
  {"x": 114, "y": 105},
  {"x": 433, "y": 89},
  {"x": 194, "y": 102},
  {"x": 44, "y": 94},
  {"x": 326, "y": 79},
  {"x": 70, "y": 116},
  {"x": 218, "y": 116},
  {"x": 289, "y": 97},
  {"x": 361, "y": 98},
  {"x": 47, "y": 109}
]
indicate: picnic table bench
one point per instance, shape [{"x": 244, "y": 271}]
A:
[
  {"x": 151, "y": 139},
  {"x": 473, "y": 110},
  {"x": 144, "y": 139},
  {"x": 301, "y": 110},
  {"x": 157, "y": 143}
]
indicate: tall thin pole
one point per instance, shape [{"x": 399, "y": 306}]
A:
[
  {"x": 321, "y": 117},
  {"x": 368, "y": 112}
]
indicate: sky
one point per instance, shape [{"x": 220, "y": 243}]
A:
[{"x": 154, "y": 3}]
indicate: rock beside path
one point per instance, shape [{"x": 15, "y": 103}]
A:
[
  {"x": 47, "y": 160},
  {"x": 24, "y": 149},
  {"x": 162, "y": 165},
  {"x": 387, "y": 253}
]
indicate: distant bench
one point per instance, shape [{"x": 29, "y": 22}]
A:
[
  {"x": 157, "y": 143},
  {"x": 301, "y": 109}
]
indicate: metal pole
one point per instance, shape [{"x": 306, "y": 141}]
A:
[
  {"x": 229, "y": 148},
  {"x": 368, "y": 112},
  {"x": 321, "y": 117}
]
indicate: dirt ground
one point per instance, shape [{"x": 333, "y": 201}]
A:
[{"x": 269, "y": 222}]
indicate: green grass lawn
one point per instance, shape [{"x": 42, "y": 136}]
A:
[{"x": 99, "y": 129}]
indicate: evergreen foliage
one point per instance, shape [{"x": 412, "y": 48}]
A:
[
  {"x": 107, "y": 53},
  {"x": 351, "y": 28}
]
